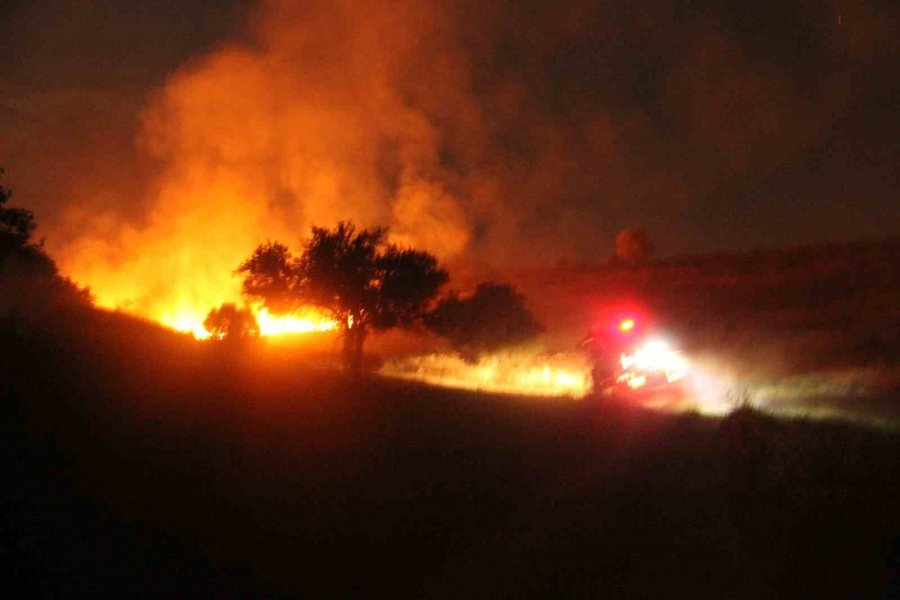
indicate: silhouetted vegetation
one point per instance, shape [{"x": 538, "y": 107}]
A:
[
  {"x": 362, "y": 281},
  {"x": 230, "y": 322},
  {"x": 633, "y": 246},
  {"x": 30, "y": 284},
  {"x": 16, "y": 224},
  {"x": 495, "y": 316}
]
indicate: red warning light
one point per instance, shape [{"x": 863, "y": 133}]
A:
[{"x": 626, "y": 325}]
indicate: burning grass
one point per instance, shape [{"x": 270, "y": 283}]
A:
[
  {"x": 512, "y": 372},
  {"x": 309, "y": 320}
]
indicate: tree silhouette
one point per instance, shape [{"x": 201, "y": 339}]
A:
[
  {"x": 633, "y": 246},
  {"x": 272, "y": 275},
  {"x": 495, "y": 316},
  {"x": 230, "y": 322},
  {"x": 29, "y": 280},
  {"x": 362, "y": 281},
  {"x": 16, "y": 224}
]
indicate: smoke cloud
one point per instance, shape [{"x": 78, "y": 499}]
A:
[{"x": 510, "y": 133}]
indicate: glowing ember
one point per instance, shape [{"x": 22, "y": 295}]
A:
[
  {"x": 626, "y": 325},
  {"x": 540, "y": 375}
]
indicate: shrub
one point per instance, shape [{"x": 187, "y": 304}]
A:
[
  {"x": 494, "y": 317},
  {"x": 231, "y": 322},
  {"x": 633, "y": 246}
]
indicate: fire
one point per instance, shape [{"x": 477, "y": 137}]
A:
[
  {"x": 188, "y": 324},
  {"x": 305, "y": 321},
  {"x": 512, "y": 373}
]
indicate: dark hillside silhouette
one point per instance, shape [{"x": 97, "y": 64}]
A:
[{"x": 147, "y": 467}]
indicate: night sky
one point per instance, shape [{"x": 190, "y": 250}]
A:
[{"x": 526, "y": 132}]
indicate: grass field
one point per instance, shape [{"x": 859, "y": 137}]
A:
[{"x": 145, "y": 464}]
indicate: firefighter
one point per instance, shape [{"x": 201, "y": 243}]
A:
[{"x": 605, "y": 345}]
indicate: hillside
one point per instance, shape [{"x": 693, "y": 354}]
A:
[
  {"x": 805, "y": 330},
  {"x": 148, "y": 465},
  {"x": 795, "y": 309}
]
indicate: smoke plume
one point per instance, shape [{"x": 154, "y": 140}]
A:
[{"x": 509, "y": 133}]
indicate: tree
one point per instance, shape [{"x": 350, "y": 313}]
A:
[
  {"x": 29, "y": 280},
  {"x": 495, "y": 316},
  {"x": 16, "y": 224},
  {"x": 633, "y": 246},
  {"x": 362, "y": 281},
  {"x": 231, "y": 323},
  {"x": 272, "y": 275}
]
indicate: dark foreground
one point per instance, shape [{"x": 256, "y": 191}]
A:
[{"x": 143, "y": 465}]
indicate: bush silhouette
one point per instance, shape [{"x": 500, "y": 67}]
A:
[
  {"x": 494, "y": 317},
  {"x": 633, "y": 246},
  {"x": 231, "y": 322}
]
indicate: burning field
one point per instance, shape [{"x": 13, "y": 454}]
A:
[
  {"x": 450, "y": 299},
  {"x": 489, "y": 142},
  {"x": 505, "y": 438},
  {"x": 808, "y": 332},
  {"x": 427, "y": 119}
]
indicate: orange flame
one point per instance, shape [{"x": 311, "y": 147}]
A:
[{"x": 307, "y": 320}]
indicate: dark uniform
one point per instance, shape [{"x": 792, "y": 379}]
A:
[{"x": 605, "y": 347}]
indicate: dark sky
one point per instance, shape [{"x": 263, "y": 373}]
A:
[
  {"x": 715, "y": 125},
  {"x": 74, "y": 76}
]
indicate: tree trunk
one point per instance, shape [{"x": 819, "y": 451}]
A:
[
  {"x": 354, "y": 337},
  {"x": 358, "y": 350}
]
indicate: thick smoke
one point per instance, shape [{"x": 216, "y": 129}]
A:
[
  {"x": 310, "y": 124},
  {"x": 515, "y": 133}
]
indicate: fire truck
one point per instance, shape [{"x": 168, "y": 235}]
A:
[{"x": 627, "y": 356}]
